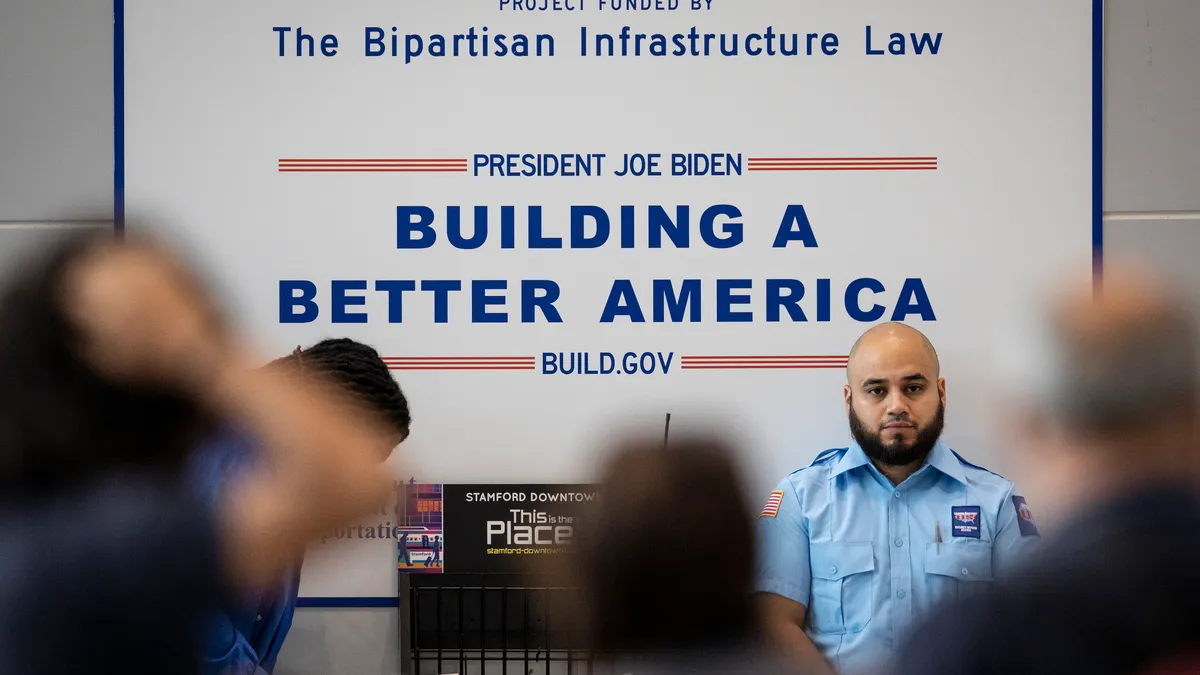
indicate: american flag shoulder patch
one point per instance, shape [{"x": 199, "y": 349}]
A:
[{"x": 772, "y": 508}]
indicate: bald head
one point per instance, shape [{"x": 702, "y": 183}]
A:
[
  {"x": 1121, "y": 363},
  {"x": 893, "y": 335},
  {"x": 894, "y": 395}
]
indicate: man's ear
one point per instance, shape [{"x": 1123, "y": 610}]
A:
[
  {"x": 846, "y": 394},
  {"x": 941, "y": 387}
]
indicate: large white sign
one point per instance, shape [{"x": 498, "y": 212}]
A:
[{"x": 558, "y": 217}]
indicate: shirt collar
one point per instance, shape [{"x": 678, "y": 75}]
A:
[
  {"x": 854, "y": 458},
  {"x": 941, "y": 457}
]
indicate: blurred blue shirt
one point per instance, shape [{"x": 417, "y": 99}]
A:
[
  {"x": 116, "y": 572},
  {"x": 244, "y": 638},
  {"x": 864, "y": 556}
]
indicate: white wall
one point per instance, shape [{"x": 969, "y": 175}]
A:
[
  {"x": 56, "y": 159},
  {"x": 1152, "y": 139},
  {"x": 56, "y": 124}
]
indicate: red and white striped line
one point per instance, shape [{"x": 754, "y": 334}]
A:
[
  {"x": 460, "y": 362},
  {"x": 842, "y": 163},
  {"x": 395, "y": 165},
  {"x": 777, "y": 362}
]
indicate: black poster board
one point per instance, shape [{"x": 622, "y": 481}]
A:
[{"x": 487, "y": 529}]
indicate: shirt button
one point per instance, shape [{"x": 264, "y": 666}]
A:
[
  {"x": 259, "y": 617},
  {"x": 896, "y": 494},
  {"x": 899, "y": 542},
  {"x": 833, "y": 570},
  {"x": 964, "y": 571},
  {"x": 900, "y": 594}
]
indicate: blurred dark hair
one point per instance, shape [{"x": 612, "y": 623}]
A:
[
  {"x": 668, "y": 561},
  {"x": 1128, "y": 376},
  {"x": 359, "y": 370},
  {"x": 62, "y": 424}
]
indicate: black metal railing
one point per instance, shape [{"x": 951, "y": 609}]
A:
[{"x": 489, "y": 625}]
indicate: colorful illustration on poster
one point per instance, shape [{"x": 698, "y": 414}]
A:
[{"x": 419, "y": 534}]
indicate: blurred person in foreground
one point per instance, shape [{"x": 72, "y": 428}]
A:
[
  {"x": 1111, "y": 389},
  {"x": 116, "y": 365},
  {"x": 247, "y": 636},
  {"x": 861, "y": 545},
  {"x": 665, "y": 562}
]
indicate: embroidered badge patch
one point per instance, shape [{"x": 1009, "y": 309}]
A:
[
  {"x": 772, "y": 508},
  {"x": 1024, "y": 518},
  {"x": 964, "y": 521}
]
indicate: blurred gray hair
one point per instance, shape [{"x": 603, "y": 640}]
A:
[{"x": 1128, "y": 376}]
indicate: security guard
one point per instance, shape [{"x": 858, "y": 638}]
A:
[{"x": 860, "y": 545}]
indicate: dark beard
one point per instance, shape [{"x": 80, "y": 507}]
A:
[{"x": 898, "y": 453}]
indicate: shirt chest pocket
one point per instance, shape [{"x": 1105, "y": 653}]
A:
[
  {"x": 958, "y": 568},
  {"x": 843, "y": 574}
]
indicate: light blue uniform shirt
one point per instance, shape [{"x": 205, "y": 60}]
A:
[{"x": 862, "y": 555}]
